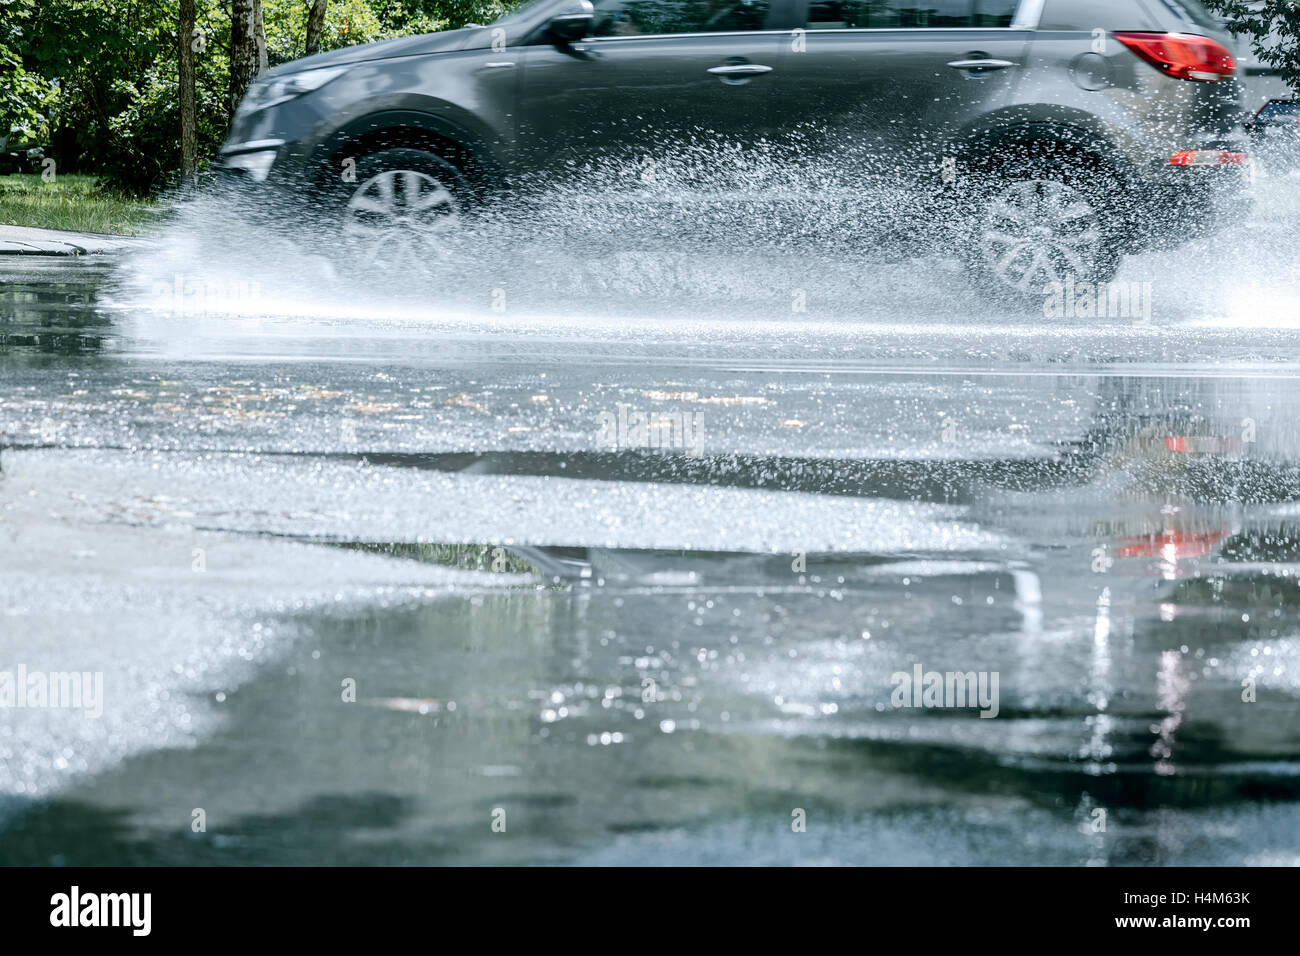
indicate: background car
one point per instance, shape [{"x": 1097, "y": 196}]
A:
[
  {"x": 1275, "y": 134},
  {"x": 18, "y": 156}
]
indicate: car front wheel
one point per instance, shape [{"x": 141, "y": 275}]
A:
[{"x": 400, "y": 208}]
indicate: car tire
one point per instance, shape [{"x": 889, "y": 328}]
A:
[
  {"x": 399, "y": 208},
  {"x": 1035, "y": 222}
]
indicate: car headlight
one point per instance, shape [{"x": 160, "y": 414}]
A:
[{"x": 279, "y": 89}]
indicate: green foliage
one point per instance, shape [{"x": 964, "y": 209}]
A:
[
  {"x": 347, "y": 22},
  {"x": 457, "y": 13},
  {"x": 25, "y": 97},
  {"x": 1273, "y": 27},
  {"x": 113, "y": 64}
]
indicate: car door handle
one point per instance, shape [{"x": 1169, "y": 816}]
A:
[
  {"x": 740, "y": 69},
  {"x": 980, "y": 64}
]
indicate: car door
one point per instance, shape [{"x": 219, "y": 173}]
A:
[
  {"x": 894, "y": 82},
  {"x": 656, "y": 77}
]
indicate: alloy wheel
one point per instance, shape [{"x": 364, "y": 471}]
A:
[
  {"x": 1035, "y": 232},
  {"x": 401, "y": 216}
]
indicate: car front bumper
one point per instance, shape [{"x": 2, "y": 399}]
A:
[{"x": 251, "y": 160}]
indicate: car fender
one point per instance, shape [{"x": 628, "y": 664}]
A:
[
  {"x": 1072, "y": 132},
  {"x": 445, "y": 128}
]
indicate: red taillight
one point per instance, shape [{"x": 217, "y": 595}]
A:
[
  {"x": 1209, "y": 157},
  {"x": 1172, "y": 545},
  {"x": 1202, "y": 444},
  {"x": 1182, "y": 55}
]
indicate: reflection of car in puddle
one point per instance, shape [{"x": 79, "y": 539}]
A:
[
  {"x": 1163, "y": 550},
  {"x": 1185, "y": 452},
  {"x": 1171, "y": 544},
  {"x": 1204, "y": 439},
  {"x": 1136, "y": 666},
  {"x": 1172, "y": 478}
]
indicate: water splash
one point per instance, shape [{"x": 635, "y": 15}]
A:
[{"x": 714, "y": 240}]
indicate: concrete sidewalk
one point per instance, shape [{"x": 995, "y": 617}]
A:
[{"x": 26, "y": 241}]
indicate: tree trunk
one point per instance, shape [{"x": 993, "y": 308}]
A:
[
  {"x": 189, "y": 120},
  {"x": 315, "y": 25},
  {"x": 244, "y": 55},
  {"x": 259, "y": 36}
]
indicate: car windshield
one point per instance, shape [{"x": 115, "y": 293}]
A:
[{"x": 521, "y": 9}]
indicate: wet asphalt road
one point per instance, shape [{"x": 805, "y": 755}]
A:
[{"x": 242, "y": 500}]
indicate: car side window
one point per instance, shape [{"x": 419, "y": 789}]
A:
[
  {"x": 995, "y": 13},
  {"x": 909, "y": 14},
  {"x": 621, "y": 18}
]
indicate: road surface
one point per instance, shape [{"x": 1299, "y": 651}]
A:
[{"x": 566, "y": 552}]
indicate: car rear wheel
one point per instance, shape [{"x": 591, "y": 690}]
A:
[
  {"x": 1036, "y": 226},
  {"x": 401, "y": 208}
]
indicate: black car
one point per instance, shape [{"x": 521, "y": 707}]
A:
[{"x": 1040, "y": 140}]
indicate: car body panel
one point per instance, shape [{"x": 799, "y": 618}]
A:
[
  {"x": 511, "y": 98},
  {"x": 641, "y": 96},
  {"x": 890, "y": 93}
]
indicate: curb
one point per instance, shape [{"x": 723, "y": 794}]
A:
[{"x": 27, "y": 241}]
